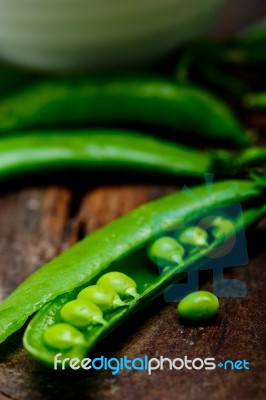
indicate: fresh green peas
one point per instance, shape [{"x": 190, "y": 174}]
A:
[
  {"x": 194, "y": 237},
  {"x": 104, "y": 297},
  {"x": 165, "y": 251},
  {"x": 62, "y": 336},
  {"x": 198, "y": 306},
  {"x": 81, "y": 313},
  {"x": 221, "y": 226},
  {"x": 120, "y": 283}
]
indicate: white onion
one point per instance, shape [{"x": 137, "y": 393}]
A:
[{"x": 64, "y": 34}]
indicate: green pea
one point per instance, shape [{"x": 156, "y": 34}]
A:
[
  {"x": 221, "y": 226},
  {"x": 104, "y": 297},
  {"x": 81, "y": 313},
  {"x": 166, "y": 250},
  {"x": 63, "y": 336},
  {"x": 120, "y": 283},
  {"x": 198, "y": 306},
  {"x": 193, "y": 237}
]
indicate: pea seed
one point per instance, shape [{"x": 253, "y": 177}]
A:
[
  {"x": 62, "y": 336},
  {"x": 166, "y": 250},
  {"x": 222, "y": 227},
  {"x": 193, "y": 237},
  {"x": 81, "y": 313},
  {"x": 104, "y": 297},
  {"x": 199, "y": 305},
  {"x": 120, "y": 283}
]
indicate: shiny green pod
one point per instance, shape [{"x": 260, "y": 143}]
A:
[
  {"x": 50, "y": 151},
  {"x": 150, "y": 284},
  {"x": 148, "y": 100},
  {"x": 38, "y": 151},
  {"x": 119, "y": 246}
]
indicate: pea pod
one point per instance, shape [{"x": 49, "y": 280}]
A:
[
  {"x": 145, "y": 100},
  {"x": 149, "y": 284},
  {"x": 119, "y": 246},
  {"x": 38, "y": 151},
  {"x": 256, "y": 100},
  {"x": 53, "y": 150}
]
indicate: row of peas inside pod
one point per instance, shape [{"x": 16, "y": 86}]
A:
[
  {"x": 115, "y": 289},
  {"x": 89, "y": 308},
  {"x": 174, "y": 248}
]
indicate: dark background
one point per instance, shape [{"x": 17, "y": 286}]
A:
[{"x": 238, "y": 13}]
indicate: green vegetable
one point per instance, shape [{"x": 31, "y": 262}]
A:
[
  {"x": 149, "y": 283},
  {"x": 122, "y": 247},
  {"x": 81, "y": 313},
  {"x": 104, "y": 297},
  {"x": 53, "y": 150},
  {"x": 194, "y": 237},
  {"x": 198, "y": 306},
  {"x": 63, "y": 336},
  {"x": 221, "y": 226},
  {"x": 120, "y": 283},
  {"x": 122, "y": 99},
  {"x": 35, "y": 152},
  {"x": 165, "y": 251},
  {"x": 256, "y": 100}
]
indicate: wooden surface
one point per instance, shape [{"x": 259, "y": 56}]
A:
[{"x": 38, "y": 221}]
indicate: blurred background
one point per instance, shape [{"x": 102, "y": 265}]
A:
[{"x": 236, "y": 14}]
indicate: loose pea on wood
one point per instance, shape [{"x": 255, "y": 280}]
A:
[{"x": 199, "y": 305}]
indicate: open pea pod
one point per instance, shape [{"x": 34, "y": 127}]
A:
[
  {"x": 115, "y": 245},
  {"x": 150, "y": 284}
]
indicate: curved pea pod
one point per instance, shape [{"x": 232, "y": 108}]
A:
[
  {"x": 120, "y": 246},
  {"x": 123, "y": 99},
  {"x": 117, "y": 149},
  {"x": 149, "y": 284},
  {"x": 49, "y": 151}
]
